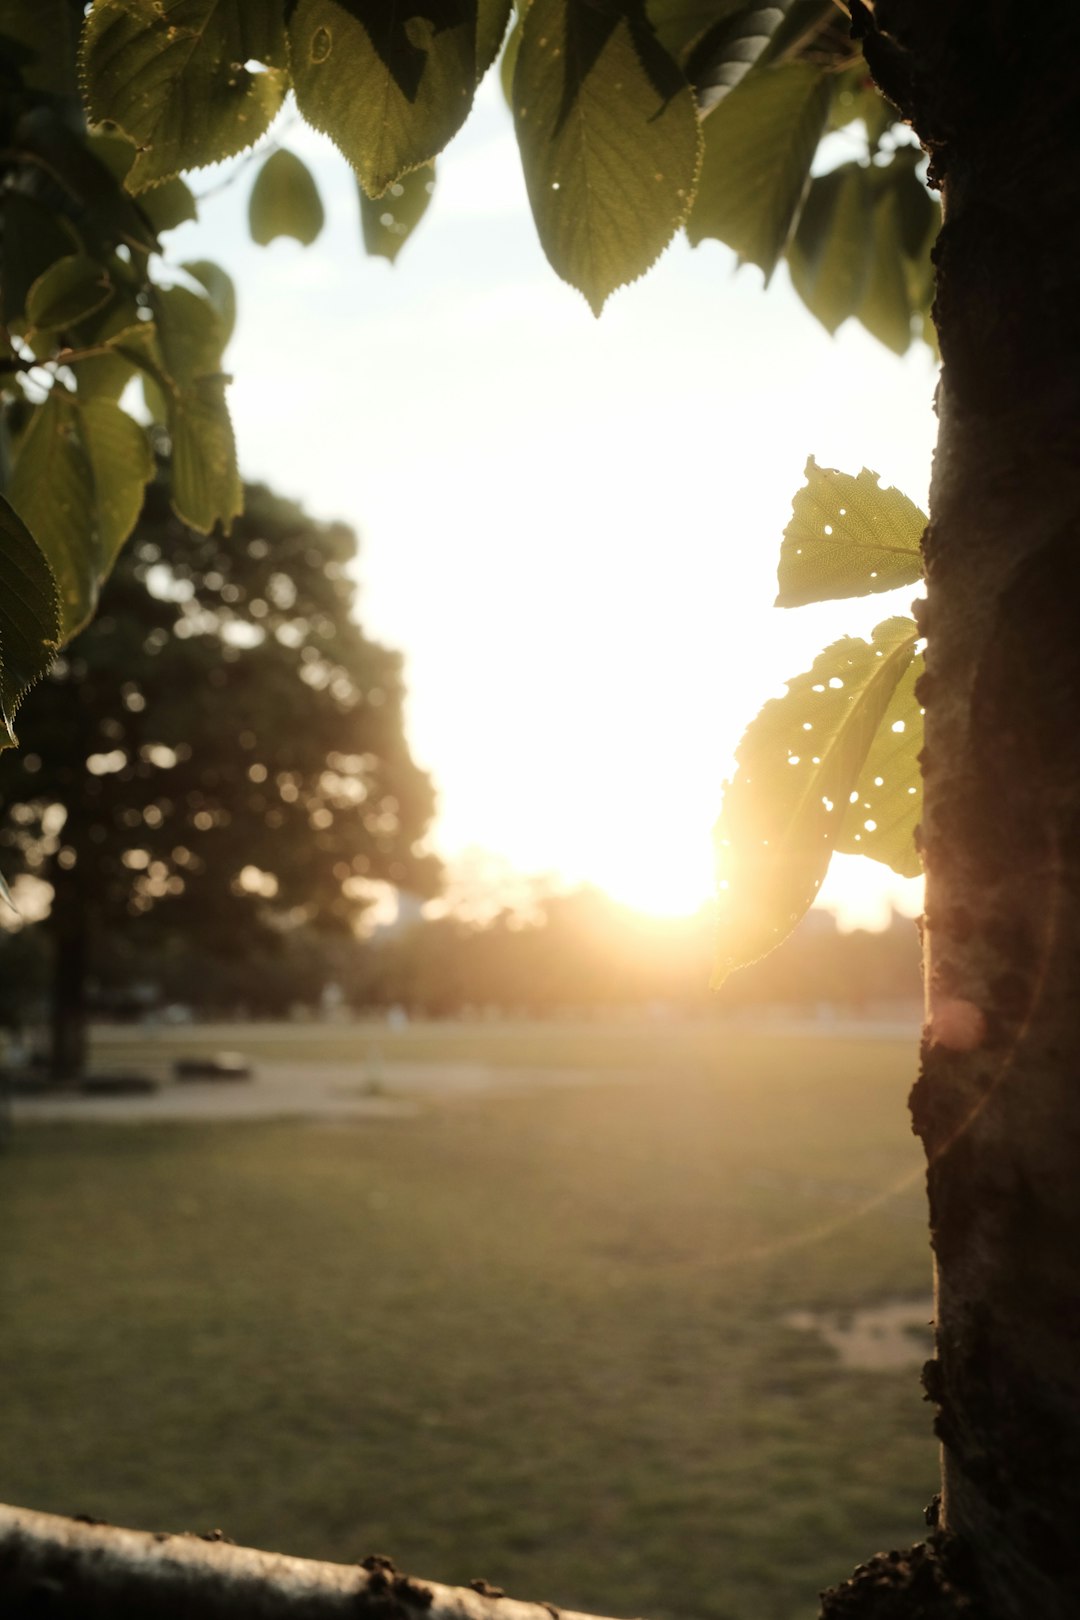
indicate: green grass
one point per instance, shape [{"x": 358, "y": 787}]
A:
[{"x": 536, "y": 1338}]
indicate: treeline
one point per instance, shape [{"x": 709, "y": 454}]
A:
[{"x": 581, "y": 953}]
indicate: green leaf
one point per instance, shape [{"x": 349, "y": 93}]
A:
[
  {"x": 190, "y": 333},
  {"x": 797, "y": 766},
  {"x": 388, "y": 221},
  {"x": 609, "y": 138},
  {"x": 847, "y": 537},
  {"x": 885, "y": 805},
  {"x": 121, "y": 464},
  {"x": 106, "y": 375},
  {"x": 724, "y": 56},
  {"x": 172, "y": 77},
  {"x": 220, "y": 290},
  {"x": 759, "y": 145},
  {"x": 885, "y": 306},
  {"x": 29, "y": 616},
  {"x": 52, "y": 490},
  {"x": 508, "y": 62},
  {"x": 284, "y": 201},
  {"x": 78, "y": 485},
  {"x": 389, "y": 84},
  {"x": 492, "y": 17},
  {"x": 829, "y": 256},
  {"x": 168, "y": 205},
  {"x": 70, "y": 290},
  {"x": 180, "y": 359},
  {"x": 206, "y": 488}
]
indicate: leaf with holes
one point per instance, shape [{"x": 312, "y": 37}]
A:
[
  {"x": 390, "y": 85},
  {"x": 29, "y": 616},
  {"x": 797, "y": 765},
  {"x": 847, "y": 537},
  {"x": 885, "y": 805},
  {"x": 609, "y": 140},
  {"x": 388, "y": 221},
  {"x": 174, "y": 78},
  {"x": 285, "y": 201},
  {"x": 759, "y": 145}
]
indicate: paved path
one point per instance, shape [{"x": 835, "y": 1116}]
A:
[{"x": 282, "y": 1090}]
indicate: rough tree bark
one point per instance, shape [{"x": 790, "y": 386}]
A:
[{"x": 991, "y": 86}]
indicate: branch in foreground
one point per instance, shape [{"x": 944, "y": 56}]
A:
[{"x": 66, "y": 1568}]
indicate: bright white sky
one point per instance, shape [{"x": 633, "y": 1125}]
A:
[{"x": 569, "y": 526}]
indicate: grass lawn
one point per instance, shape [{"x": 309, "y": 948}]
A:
[{"x": 537, "y": 1338}]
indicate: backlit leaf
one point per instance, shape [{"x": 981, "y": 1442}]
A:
[
  {"x": 78, "y": 481},
  {"x": 70, "y": 290},
  {"x": 190, "y": 334},
  {"x": 847, "y": 537},
  {"x": 885, "y": 805},
  {"x": 173, "y": 77},
  {"x": 180, "y": 358},
  {"x": 885, "y": 306},
  {"x": 220, "y": 290},
  {"x": 492, "y": 17},
  {"x": 388, "y": 221},
  {"x": 390, "y": 85},
  {"x": 797, "y": 766},
  {"x": 121, "y": 464},
  {"x": 206, "y": 488},
  {"x": 759, "y": 145},
  {"x": 609, "y": 140},
  {"x": 29, "y": 616},
  {"x": 829, "y": 256},
  {"x": 284, "y": 201},
  {"x": 52, "y": 489}
]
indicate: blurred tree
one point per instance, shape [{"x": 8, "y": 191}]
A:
[{"x": 220, "y": 754}]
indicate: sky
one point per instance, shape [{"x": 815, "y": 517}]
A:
[{"x": 569, "y": 526}]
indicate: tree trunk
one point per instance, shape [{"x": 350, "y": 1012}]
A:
[
  {"x": 991, "y": 88},
  {"x": 68, "y": 1043}
]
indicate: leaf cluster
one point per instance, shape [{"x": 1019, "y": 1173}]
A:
[
  {"x": 221, "y": 751},
  {"x": 833, "y": 764},
  {"x": 87, "y": 305}
]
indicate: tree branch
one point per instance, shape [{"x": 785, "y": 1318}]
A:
[{"x": 68, "y": 1568}]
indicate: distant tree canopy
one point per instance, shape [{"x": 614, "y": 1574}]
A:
[{"x": 221, "y": 753}]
